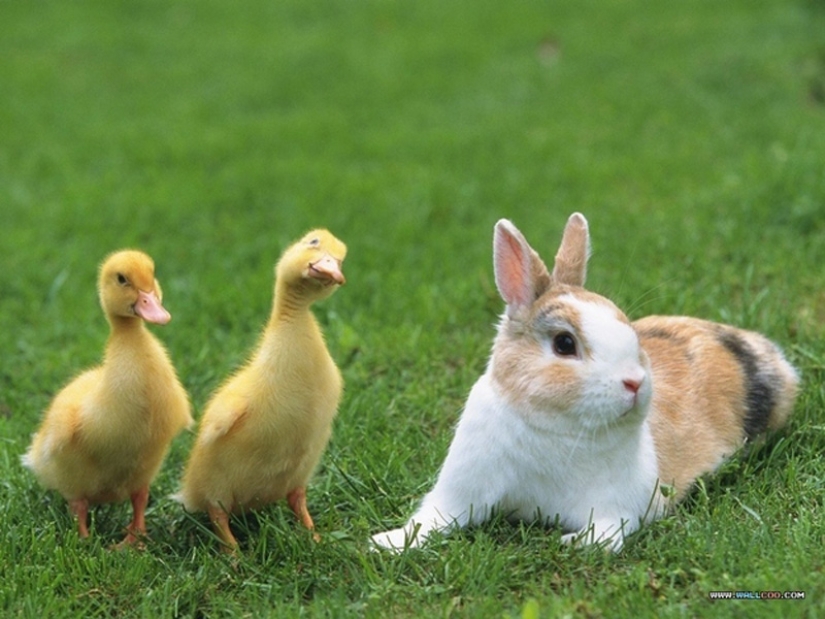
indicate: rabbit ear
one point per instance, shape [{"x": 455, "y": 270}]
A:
[
  {"x": 521, "y": 276},
  {"x": 571, "y": 260}
]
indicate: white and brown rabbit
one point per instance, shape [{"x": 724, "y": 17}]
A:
[{"x": 582, "y": 418}]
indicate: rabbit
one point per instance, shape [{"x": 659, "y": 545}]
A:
[{"x": 585, "y": 420}]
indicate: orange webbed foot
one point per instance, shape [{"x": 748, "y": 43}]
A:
[
  {"x": 297, "y": 500},
  {"x": 220, "y": 522},
  {"x": 79, "y": 508},
  {"x": 136, "y": 531}
]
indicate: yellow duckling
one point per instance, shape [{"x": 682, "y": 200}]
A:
[
  {"x": 106, "y": 433},
  {"x": 264, "y": 431}
]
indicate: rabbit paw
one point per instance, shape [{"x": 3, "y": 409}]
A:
[
  {"x": 395, "y": 540},
  {"x": 609, "y": 538}
]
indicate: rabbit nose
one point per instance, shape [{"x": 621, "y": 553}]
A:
[{"x": 632, "y": 385}]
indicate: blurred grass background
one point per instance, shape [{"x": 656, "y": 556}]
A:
[{"x": 692, "y": 135}]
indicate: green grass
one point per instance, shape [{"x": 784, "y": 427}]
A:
[{"x": 211, "y": 134}]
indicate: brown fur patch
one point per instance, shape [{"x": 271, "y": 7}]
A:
[
  {"x": 700, "y": 403},
  {"x": 520, "y": 363},
  {"x": 528, "y": 377}
]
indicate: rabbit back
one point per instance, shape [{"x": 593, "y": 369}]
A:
[{"x": 715, "y": 387}]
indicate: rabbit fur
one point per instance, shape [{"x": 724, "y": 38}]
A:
[{"x": 588, "y": 421}]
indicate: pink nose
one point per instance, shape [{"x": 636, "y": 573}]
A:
[{"x": 632, "y": 385}]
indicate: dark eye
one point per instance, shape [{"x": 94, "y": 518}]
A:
[
  {"x": 564, "y": 345},
  {"x": 121, "y": 279},
  {"x": 315, "y": 242}
]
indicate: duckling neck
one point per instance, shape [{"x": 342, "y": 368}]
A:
[
  {"x": 130, "y": 346},
  {"x": 292, "y": 338},
  {"x": 125, "y": 325},
  {"x": 290, "y": 307},
  {"x": 126, "y": 333}
]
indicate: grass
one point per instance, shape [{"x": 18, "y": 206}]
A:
[{"x": 211, "y": 134}]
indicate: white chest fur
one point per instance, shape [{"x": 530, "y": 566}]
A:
[{"x": 602, "y": 486}]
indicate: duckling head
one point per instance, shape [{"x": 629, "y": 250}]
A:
[
  {"x": 128, "y": 288},
  {"x": 312, "y": 266}
]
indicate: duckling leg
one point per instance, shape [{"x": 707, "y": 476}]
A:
[
  {"x": 136, "y": 530},
  {"x": 220, "y": 522},
  {"x": 297, "y": 500},
  {"x": 79, "y": 508}
]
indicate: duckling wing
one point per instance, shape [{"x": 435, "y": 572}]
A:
[
  {"x": 61, "y": 432},
  {"x": 57, "y": 432},
  {"x": 224, "y": 416}
]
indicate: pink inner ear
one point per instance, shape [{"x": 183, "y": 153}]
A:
[{"x": 511, "y": 269}]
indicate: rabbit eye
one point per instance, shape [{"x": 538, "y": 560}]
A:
[{"x": 564, "y": 345}]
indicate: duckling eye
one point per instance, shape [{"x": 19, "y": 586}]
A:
[
  {"x": 315, "y": 242},
  {"x": 564, "y": 344},
  {"x": 121, "y": 279}
]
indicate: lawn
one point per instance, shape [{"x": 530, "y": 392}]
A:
[{"x": 211, "y": 134}]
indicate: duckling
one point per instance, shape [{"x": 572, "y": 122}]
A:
[
  {"x": 105, "y": 435},
  {"x": 264, "y": 431}
]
